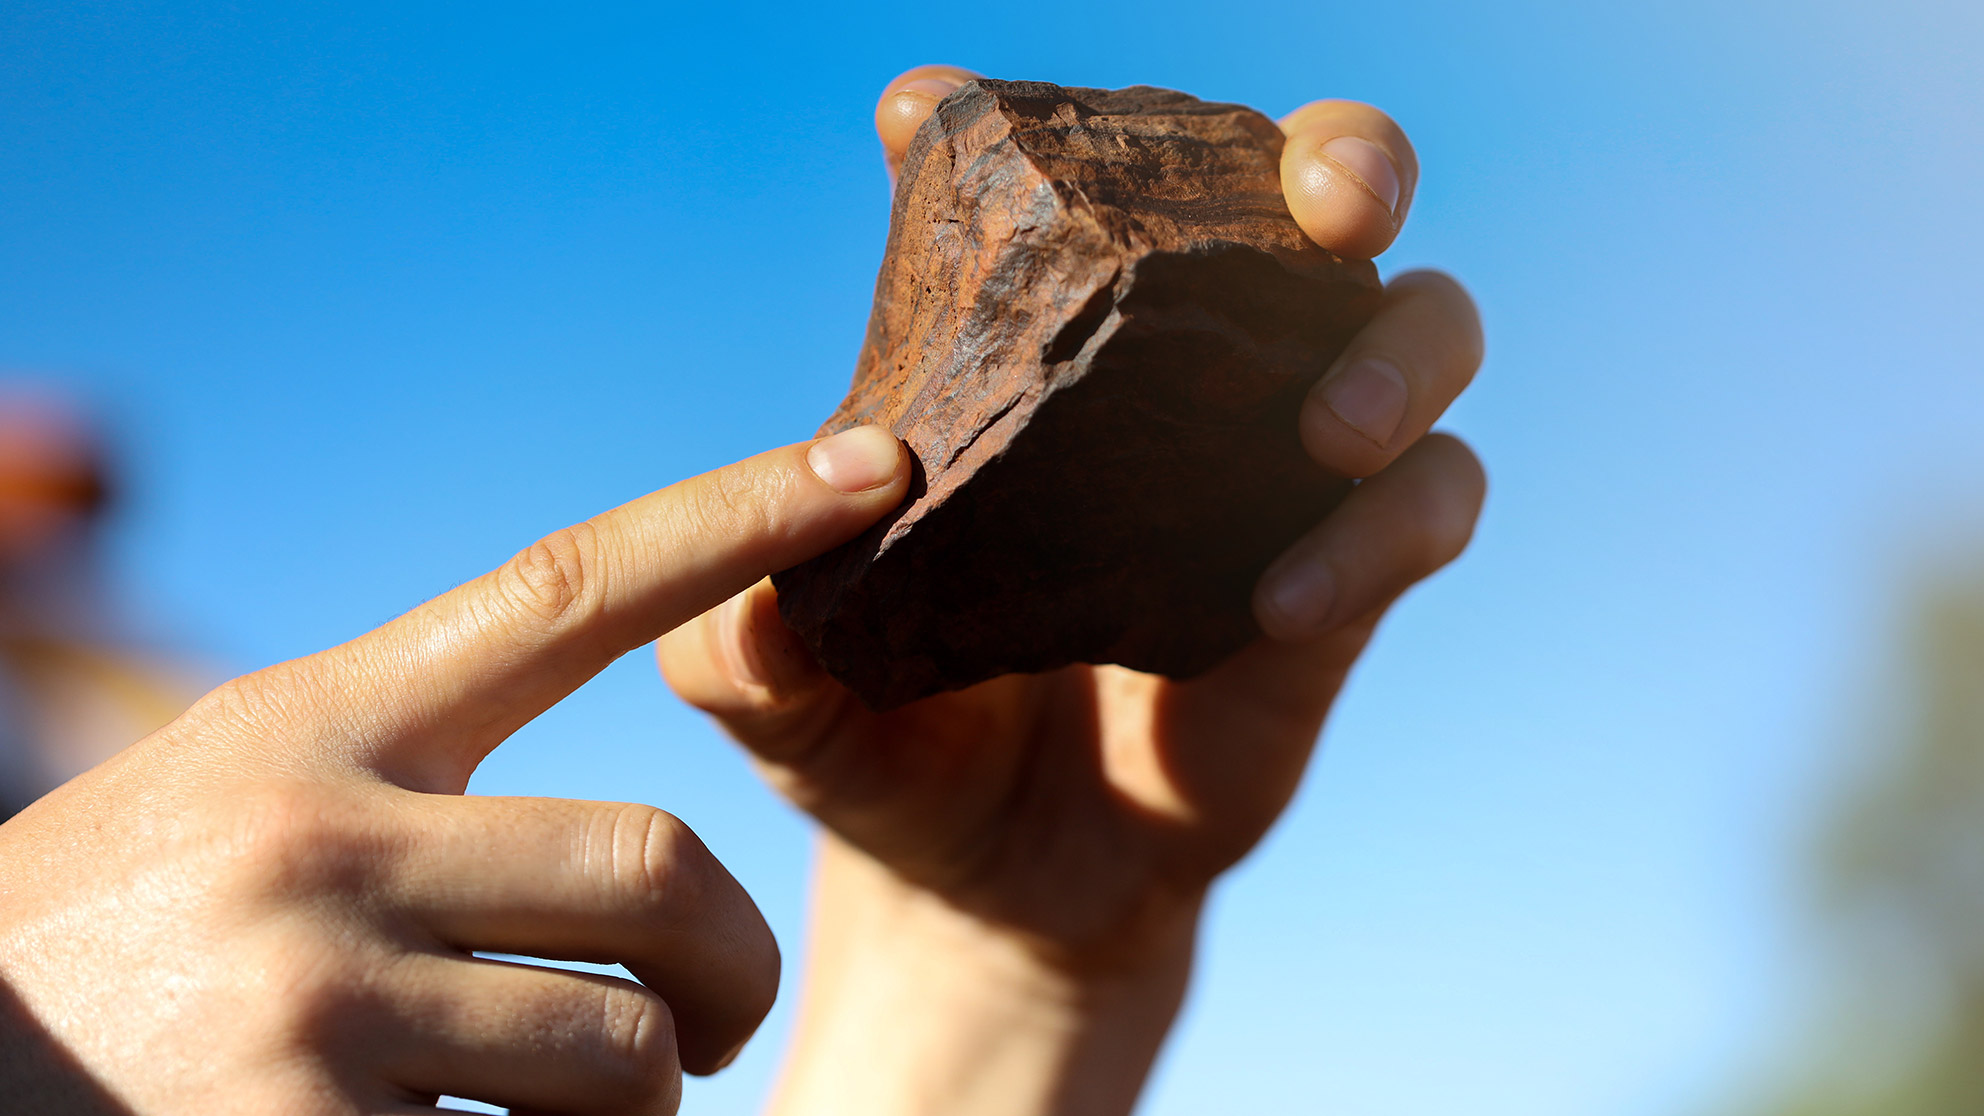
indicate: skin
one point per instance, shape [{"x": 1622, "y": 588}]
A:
[
  {"x": 1010, "y": 877},
  {"x": 270, "y": 905}
]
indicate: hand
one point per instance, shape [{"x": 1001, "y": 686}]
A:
[
  {"x": 270, "y": 905},
  {"x": 1028, "y": 857}
]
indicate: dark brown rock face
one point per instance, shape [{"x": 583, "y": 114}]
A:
[{"x": 1094, "y": 326}]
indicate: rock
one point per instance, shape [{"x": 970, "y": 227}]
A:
[{"x": 1094, "y": 326}]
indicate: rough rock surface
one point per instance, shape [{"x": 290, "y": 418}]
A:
[{"x": 1094, "y": 325}]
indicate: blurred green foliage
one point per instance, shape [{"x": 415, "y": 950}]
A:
[{"x": 1903, "y": 895}]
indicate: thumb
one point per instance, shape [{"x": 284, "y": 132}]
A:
[{"x": 740, "y": 664}]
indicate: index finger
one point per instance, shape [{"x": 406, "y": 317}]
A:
[{"x": 448, "y": 681}]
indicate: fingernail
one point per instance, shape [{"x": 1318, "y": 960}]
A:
[
  {"x": 856, "y": 460},
  {"x": 1368, "y": 394},
  {"x": 1302, "y": 593},
  {"x": 1369, "y": 163}
]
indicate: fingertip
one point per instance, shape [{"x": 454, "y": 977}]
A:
[
  {"x": 767, "y": 657},
  {"x": 1456, "y": 311},
  {"x": 1351, "y": 420},
  {"x": 1369, "y": 164},
  {"x": 1462, "y": 495},
  {"x": 1294, "y": 598},
  {"x": 1392, "y": 531},
  {"x": 859, "y": 462},
  {"x": 899, "y": 114},
  {"x": 1396, "y": 377},
  {"x": 735, "y": 645},
  {"x": 692, "y": 661},
  {"x": 1436, "y": 492},
  {"x": 739, "y": 660},
  {"x": 1348, "y": 172},
  {"x": 907, "y": 102},
  {"x": 1336, "y": 206}
]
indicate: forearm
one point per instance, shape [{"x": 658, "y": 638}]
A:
[{"x": 912, "y": 1008}]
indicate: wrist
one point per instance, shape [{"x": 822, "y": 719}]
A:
[{"x": 912, "y": 1005}]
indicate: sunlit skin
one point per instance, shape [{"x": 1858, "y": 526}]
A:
[
  {"x": 269, "y": 906},
  {"x": 1011, "y": 875}
]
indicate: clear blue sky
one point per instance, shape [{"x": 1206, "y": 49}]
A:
[{"x": 375, "y": 293}]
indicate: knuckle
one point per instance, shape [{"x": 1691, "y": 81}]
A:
[
  {"x": 638, "y": 1035},
  {"x": 303, "y": 991},
  {"x": 740, "y": 503},
  {"x": 652, "y": 858},
  {"x": 290, "y": 839},
  {"x": 265, "y": 700},
  {"x": 310, "y": 985},
  {"x": 556, "y": 579}
]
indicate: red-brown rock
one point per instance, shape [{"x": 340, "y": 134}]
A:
[{"x": 1094, "y": 326}]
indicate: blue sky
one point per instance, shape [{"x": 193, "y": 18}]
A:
[{"x": 374, "y": 294}]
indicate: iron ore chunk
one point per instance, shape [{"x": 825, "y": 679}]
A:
[{"x": 1094, "y": 326}]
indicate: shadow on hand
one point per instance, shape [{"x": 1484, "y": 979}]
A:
[{"x": 37, "y": 1075}]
